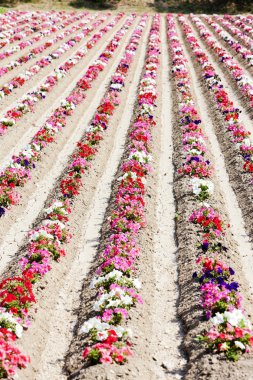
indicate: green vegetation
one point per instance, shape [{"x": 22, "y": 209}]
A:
[
  {"x": 95, "y": 4},
  {"x": 203, "y": 6},
  {"x": 174, "y": 6}
]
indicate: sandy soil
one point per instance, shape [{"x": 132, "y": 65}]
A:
[{"x": 165, "y": 326}]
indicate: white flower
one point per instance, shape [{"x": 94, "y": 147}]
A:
[
  {"x": 128, "y": 174},
  {"x": 94, "y": 323},
  {"x": 127, "y": 300},
  {"x": 247, "y": 142},
  {"x": 10, "y": 318},
  {"x": 102, "y": 335},
  {"x": 217, "y": 319},
  {"x": 122, "y": 330},
  {"x": 41, "y": 232},
  {"x": 196, "y": 184},
  {"x": 116, "y": 86},
  {"x": 236, "y": 317},
  {"x": 19, "y": 330},
  {"x": 239, "y": 345},
  {"x": 140, "y": 156},
  {"x": 137, "y": 283},
  {"x": 113, "y": 303},
  {"x": 55, "y": 205}
]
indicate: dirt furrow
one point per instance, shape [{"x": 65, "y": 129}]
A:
[
  {"x": 18, "y": 221},
  {"x": 167, "y": 330},
  {"x": 230, "y": 86},
  {"x": 64, "y": 282}
]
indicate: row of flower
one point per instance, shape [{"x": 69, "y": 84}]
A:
[
  {"x": 242, "y": 23},
  {"x": 46, "y": 241},
  {"x": 244, "y": 53},
  {"x": 28, "y": 101},
  {"x": 62, "y": 34},
  {"x": 21, "y": 26},
  {"x": 229, "y": 112},
  {"x": 14, "y": 22},
  {"x": 15, "y": 27},
  {"x": 40, "y": 36},
  {"x": 243, "y": 82},
  {"x": 220, "y": 299},
  {"x": 239, "y": 34},
  {"x": 19, "y": 80},
  {"x": 107, "y": 339},
  {"x": 230, "y": 331},
  {"x": 18, "y": 171},
  {"x": 19, "y": 18}
]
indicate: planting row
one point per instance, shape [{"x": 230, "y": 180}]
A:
[
  {"x": 46, "y": 242},
  {"x": 243, "y": 81},
  {"x": 230, "y": 332},
  {"x": 28, "y": 101},
  {"x": 44, "y": 33},
  {"x": 230, "y": 113},
  {"x": 108, "y": 339},
  {"x": 17, "y": 173}
]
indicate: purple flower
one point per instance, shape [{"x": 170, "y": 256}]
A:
[{"x": 205, "y": 245}]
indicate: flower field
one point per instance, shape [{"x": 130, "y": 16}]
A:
[{"x": 126, "y": 177}]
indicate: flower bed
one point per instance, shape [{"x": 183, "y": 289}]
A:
[
  {"x": 235, "y": 31},
  {"x": 15, "y": 26},
  {"x": 243, "y": 52},
  {"x": 229, "y": 112},
  {"x": 229, "y": 330},
  {"x": 242, "y": 22},
  {"x": 43, "y": 33},
  {"x": 29, "y": 100},
  {"x": 19, "y": 80},
  {"x": 243, "y": 82},
  {"x": 18, "y": 172},
  {"x": 109, "y": 340},
  {"x": 47, "y": 240}
]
